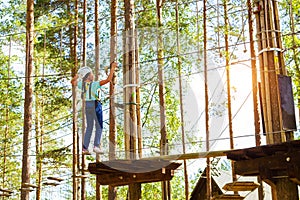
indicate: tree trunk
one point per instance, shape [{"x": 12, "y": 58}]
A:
[
  {"x": 186, "y": 178},
  {"x": 130, "y": 92},
  {"x": 161, "y": 89},
  {"x": 112, "y": 191},
  {"x": 38, "y": 139},
  {"x": 28, "y": 98},
  {"x": 208, "y": 172},
  {"x": 73, "y": 47},
  {"x": 97, "y": 69},
  {"x": 83, "y": 164},
  {"x": 254, "y": 92},
  {"x": 227, "y": 57}
]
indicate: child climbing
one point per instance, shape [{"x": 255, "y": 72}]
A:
[{"x": 93, "y": 107}]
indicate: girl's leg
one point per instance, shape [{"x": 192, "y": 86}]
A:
[
  {"x": 89, "y": 113},
  {"x": 97, "y": 134},
  {"x": 99, "y": 124}
]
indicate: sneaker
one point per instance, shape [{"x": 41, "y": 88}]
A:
[
  {"x": 97, "y": 150},
  {"x": 85, "y": 152}
]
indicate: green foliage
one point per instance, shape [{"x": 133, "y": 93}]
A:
[{"x": 10, "y": 124}]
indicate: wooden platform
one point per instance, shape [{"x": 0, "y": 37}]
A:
[
  {"x": 269, "y": 161},
  {"x": 124, "y": 172}
]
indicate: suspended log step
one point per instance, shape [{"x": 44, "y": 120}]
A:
[
  {"x": 5, "y": 195},
  {"x": 124, "y": 172},
  {"x": 241, "y": 186},
  {"x": 29, "y": 185},
  {"x": 228, "y": 197},
  {"x": 5, "y": 190},
  {"x": 51, "y": 183},
  {"x": 55, "y": 178}
]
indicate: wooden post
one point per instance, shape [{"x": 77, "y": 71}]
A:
[
  {"x": 138, "y": 98},
  {"x": 112, "y": 191},
  {"x": 97, "y": 67},
  {"x": 267, "y": 26},
  {"x": 83, "y": 163},
  {"x": 28, "y": 97},
  {"x": 161, "y": 89},
  {"x": 254, "y": 91},
  {"x": 130, "y": 115},
  {"x": 208, "y": 173},
  {"x": 84, "y": 43},
  {"x": 186, "y": 178},
  {"x": 75, "y": 131},
  {"x": 227, "y": 59}
]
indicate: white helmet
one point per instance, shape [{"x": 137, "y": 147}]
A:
[{"x": 83, "y": 71}]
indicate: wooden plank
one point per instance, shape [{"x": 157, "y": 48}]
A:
[
  {"x": 241, "y": 186},
  {"x": 188, "y": 156},
  {"x": 133, "y": 166},
  {"x": 228, "y": 197},
  {"x": 137, "y": 165},
  {"x": 262, "y": 151}
]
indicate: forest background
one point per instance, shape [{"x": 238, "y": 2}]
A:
[{"x": 51, "y": 141}]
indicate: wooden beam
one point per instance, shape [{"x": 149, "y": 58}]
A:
[
  {"x": 273, "y": 162},
  {"x": 188, "y": 156},
  {"x": 228, "y": 197},
  {"x": 118, "y": 179}
]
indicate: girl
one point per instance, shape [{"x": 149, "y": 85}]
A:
[{"x": 93, "y": 107}]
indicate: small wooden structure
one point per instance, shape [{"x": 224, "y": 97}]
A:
[
  {"x": 125, "y": 172},
  {"x": 271, "y": 162}
]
